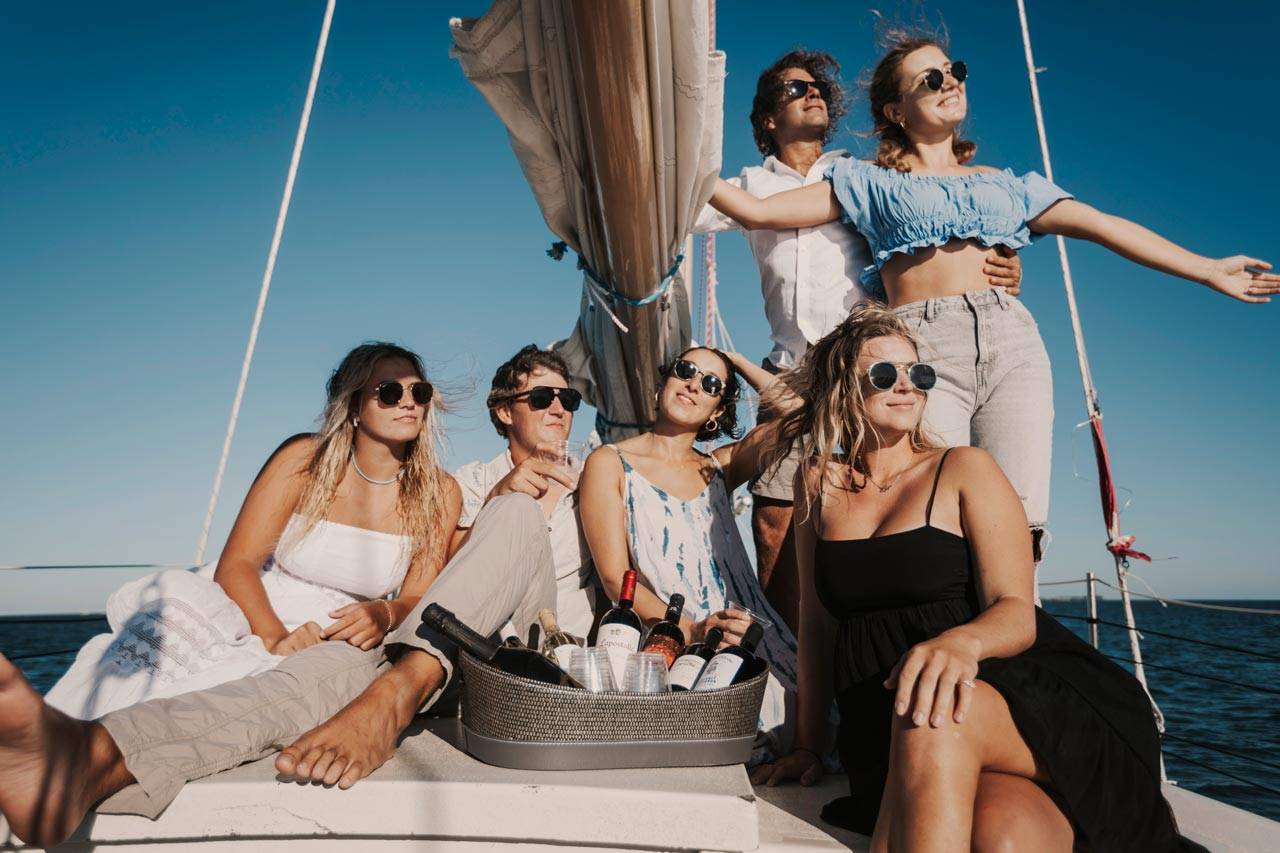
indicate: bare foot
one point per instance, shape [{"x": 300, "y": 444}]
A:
[
  {"x": 353, "y": 743},
  {"x": 48, "y": 761}
]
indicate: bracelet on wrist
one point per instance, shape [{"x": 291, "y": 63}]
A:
[{"x": 391, "y": 614}]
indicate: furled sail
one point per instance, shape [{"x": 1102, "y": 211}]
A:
[{"x": 614, "y": 110}]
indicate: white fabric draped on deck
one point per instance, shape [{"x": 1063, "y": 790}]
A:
[{"x": 615, "y": 113}]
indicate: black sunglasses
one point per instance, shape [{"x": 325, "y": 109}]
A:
[
  {"x": 391, "y": 393},
  {"x": 799, "y": 88},
  {"x": 540, "y": 397},
  {"x": 686, "y": 370},
  {"x": 934, "y": 77},
  {"x": 883, "y": 375}
]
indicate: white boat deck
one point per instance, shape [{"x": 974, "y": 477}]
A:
[{"x": 433, "y": 797}]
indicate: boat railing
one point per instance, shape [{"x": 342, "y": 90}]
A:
[{"x": 1092, "y": 619}]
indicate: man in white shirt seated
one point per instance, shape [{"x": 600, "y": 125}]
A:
[
  {"x": 531, "y": 405},
  {"x": 809, "y": 277}
]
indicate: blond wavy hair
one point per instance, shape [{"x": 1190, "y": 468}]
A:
[
  {"x": 830, "y": 426},
  {"x": 422, "y": 485},
  {"x": 885, "y": 87}
]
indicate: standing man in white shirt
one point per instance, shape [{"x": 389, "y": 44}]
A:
[
  {"x": 809, "y": 277},
  {"x": 531, "y": 405}
]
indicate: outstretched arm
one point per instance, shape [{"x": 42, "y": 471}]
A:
[
  {"x": 1239, "y": 276},
  {"x": 807, "y": 206}
]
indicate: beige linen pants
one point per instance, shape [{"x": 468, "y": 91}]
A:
[{"x": 504, "y": 571}]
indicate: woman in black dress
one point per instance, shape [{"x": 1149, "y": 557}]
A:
[{"x": 968, "y": 716}]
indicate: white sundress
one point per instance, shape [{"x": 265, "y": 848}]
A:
[
  {"x": 694, "y": 548},
  {"x": 177, "y": 631}
]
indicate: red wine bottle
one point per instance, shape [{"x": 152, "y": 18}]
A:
[
  {"x": 687, "y": 668},
  {"x": 665, "y": 637},
  {"x": 620, "y": 628},
  {"x": 730, "y": 663},
  {"x": 523, "y": 662}
]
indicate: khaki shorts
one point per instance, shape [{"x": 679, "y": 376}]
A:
[{"x": 777, "y": 482}]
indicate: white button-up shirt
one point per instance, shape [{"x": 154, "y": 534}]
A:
[
  {"x": 808, "y": 276},
  {"x": 575, "y": 577}
]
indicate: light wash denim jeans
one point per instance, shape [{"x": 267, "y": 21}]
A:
[{"x": 995, "y": 387}]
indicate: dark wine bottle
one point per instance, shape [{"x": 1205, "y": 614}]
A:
[
  {"x": 729, "y": 664},
  {"x": 665, "y": 637},
  {"x": 523, "y": 662},
  {"x": 619, "y": 631},
  {"x": 687, "y": 668}
]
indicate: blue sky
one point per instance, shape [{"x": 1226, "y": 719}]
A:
[{"x": 144, "y": 147}]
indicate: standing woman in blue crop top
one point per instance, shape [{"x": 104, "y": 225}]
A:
[{"x": 930, "y": 220}]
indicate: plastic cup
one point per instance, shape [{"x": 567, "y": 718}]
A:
[
  {"x": 764, "y": 623},
  {"x": 591, "y": 669},
  {"x": 571, "y": 454},
  {"x": 646, "y": 672}
]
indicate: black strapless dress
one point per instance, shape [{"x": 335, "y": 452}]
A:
[{"x": 1087, "y": 720}]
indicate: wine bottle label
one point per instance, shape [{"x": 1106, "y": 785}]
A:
[
  {"x": 685, "y": 672},
  {"x": 666, "y": 646},
  {"x": 618, "y": 641},
  {"x": 720, "y": 672},
  {"x": 561, "y": 655}
]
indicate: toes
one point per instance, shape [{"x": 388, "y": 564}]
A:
[
  {"x": 353, "y": 774},
  {"x": 307, "y": 762},
  {"x": 321, "y": 766},
  {"x": 336, "y": 768}
]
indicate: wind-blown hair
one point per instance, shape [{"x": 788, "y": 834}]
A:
[
  {"x": 513, "y": 372},
  {"x": 831, "y": 423},
  {"x": 823, "y": 67},
  {"x": 421, "y": 502},
  {"x": 727, "y": 422},
  {"x": 885, "y": 87}
]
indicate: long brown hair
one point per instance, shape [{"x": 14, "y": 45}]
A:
[
  {"x": 421, "y": 501},
  {"x": 831, "y": 422},
  {"x": 885, "y": 88}
]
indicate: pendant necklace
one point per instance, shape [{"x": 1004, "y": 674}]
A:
[{"x": 369, "y": 479}]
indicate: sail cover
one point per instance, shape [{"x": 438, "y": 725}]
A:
[{"x": 615, "y": 111}]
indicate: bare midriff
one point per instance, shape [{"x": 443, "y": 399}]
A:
[{"x": 936, "y": 271}]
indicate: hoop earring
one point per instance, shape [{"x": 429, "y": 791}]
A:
[{"x": 712, "y": 425}]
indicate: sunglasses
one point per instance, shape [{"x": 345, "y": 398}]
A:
[
  {"x": 391, "y": 393},
  {"x": 540, "y": 397},
  {"x": 799, "y": 88},
  {"x": 934, "y": 77},
  {"x": 686, "y": 370},
  {"x": 883, "y": 375}
]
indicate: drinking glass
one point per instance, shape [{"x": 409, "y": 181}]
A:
[
  {"x": 765, "y": 624},
  {"x": 572, "y": 454},
  {"x": 591, "y": 669},
  {"x": 646, "y": 672}
]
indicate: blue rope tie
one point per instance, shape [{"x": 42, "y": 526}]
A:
[{"x": 556, "y": 253}]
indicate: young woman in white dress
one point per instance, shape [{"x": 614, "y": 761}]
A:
[{"x": 335, "y": 523}]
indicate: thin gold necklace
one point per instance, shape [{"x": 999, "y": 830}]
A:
[{"x": 867, "y": 475}]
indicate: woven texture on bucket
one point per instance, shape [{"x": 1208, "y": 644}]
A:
[{"x": 497, "y": 704}]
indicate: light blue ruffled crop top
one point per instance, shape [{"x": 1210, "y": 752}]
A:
[{"x": 899, "y": 212}]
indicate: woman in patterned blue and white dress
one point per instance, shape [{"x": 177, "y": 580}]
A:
[{"x": 656, "y": 503}]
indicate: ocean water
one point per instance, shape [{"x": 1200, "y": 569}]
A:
[{"x": 1222, "y": 718}]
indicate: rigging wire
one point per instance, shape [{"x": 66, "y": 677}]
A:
[
  {"x": 1240, "y": 779},
  {"x": 1243, "y": 685},
  {"x": 1198, "y": 604},
  {"x": 1148, "y": 631},
  {"x": 1224, "y": 750},
  {"x": 281, "y": 216}
]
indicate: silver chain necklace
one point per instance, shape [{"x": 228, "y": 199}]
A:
[{"x": 369, "y": 479}]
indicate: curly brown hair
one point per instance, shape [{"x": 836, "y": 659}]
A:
[
  {"x": 823, "y": 67},
  {"x": 512, "y": 373},
  {"x": 885, "y": 87}
]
